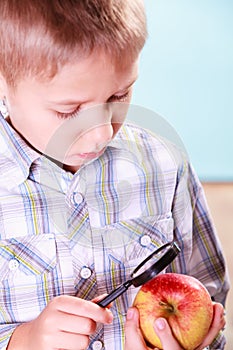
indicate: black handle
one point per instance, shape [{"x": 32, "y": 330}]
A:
[{"x": 114, "y": 294}]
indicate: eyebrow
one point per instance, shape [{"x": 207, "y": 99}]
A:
[
  {"x": 76, "y": 102},
  {"x": 65, "y": 102}
]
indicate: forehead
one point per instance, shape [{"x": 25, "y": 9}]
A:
[
  {"x": 87, "y": 78},
  {"x": 96, "y": 63}
]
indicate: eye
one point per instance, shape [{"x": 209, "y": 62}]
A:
[
  {"x": 69, "y": 115},
  {"x": 119, "y": 98}
]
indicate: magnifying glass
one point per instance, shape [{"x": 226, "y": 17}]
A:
[{"x": 145, "y": 271}]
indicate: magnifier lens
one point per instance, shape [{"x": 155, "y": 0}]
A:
[
  {"x": 154, "y": 263},
  {"x": 150, "y": 261}
]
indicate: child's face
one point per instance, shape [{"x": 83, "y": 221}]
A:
[{"x": 43, "y": 112}]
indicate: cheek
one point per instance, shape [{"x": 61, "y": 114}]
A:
[{"x": 39, "y": 132}]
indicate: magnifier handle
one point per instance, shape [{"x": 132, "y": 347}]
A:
[{"x": 114, "y": 294}]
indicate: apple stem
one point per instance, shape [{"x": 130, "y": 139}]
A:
[{"x": 169, "y": 308}]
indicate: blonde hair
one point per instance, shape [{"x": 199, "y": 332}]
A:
[{"x": 38, "y": 37}]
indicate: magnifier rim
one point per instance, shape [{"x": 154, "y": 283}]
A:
[{"x": 158, "y": 266}]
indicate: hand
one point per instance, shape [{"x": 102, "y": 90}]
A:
[
  {"x": 134, "y": 339},
  {"x": 66, "y": 323},
  {"x": 218, "y": 323}
]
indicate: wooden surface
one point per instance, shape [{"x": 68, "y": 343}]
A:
[{"x": 220, "y": 201}]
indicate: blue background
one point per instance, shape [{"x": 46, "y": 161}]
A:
[{"x": 186, "y": 76}]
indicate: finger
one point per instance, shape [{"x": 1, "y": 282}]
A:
[
  {"x": 99, "y": 298},
  {"x": 75, "y": 324},
  {"x": 133, "y": 336},
  {"x": 164, "y": 333},
  {"x": 70, "y": 341},
  {"x": 80, "y": 307},
  {"x": 217, "y": 325}
]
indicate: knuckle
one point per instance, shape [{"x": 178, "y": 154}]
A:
[
  {"x": 102, "y": 315},
  {"x": 90, "y": 326},
  {"x": 223, "y": 324},
  {"x": 84, "y": 342},
  {"x": 56, "y": 301},
  {"x": 107, "y": 316}
]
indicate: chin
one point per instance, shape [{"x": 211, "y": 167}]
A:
[{"x": 71, "y": 168}]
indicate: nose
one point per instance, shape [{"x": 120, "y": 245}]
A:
[{"x": 100, "y": 135}]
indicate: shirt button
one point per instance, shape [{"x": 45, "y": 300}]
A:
[
  {"x": 85, "y": 272},
  {"x": 77, "y": 198},
  {"x": 97, "y": 345},
  {"x": 145, "y": 240},
  {"x": 13, "y": 264}
]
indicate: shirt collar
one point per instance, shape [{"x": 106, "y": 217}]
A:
[{"x": 16, "y": 156}]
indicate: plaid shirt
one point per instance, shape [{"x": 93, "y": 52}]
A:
[{"x": 83, "y": 234}]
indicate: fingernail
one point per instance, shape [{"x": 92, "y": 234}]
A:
[
  {"x": 130, "y": 314},
  {"x": 160, "y": 324}
]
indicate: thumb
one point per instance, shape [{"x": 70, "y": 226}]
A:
[
  {"x": 133, "y": 336},
  {"x": 164, "y": 333}
]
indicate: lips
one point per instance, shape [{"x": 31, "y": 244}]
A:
[{"x": 90, "y": 155}]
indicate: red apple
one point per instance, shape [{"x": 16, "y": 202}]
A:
[{"x": 183, "y": 301}]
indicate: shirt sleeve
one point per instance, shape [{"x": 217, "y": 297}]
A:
[
  {"x": 219, "y": 342},
  {"x": 6, "y": 332},
  {"x": 201, "y": 255},
  {"x": 207, "y": 262}
]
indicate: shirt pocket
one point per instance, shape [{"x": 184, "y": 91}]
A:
[
  {"x": 27, "y": 276},
  {"x": 127, "y": 244},
  {"x": 136, "y": 238}
]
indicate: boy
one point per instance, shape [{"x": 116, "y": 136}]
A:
[{"x": 75, "y": 223}]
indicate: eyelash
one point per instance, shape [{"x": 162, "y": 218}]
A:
[
  {"x": 68, "y": 115},
  {"x": 122, "y": 98}
]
